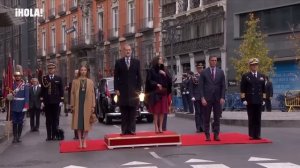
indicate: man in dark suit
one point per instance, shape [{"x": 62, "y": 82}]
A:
[
  {"x": 269, "y": 94},
  {"x": 52, "y": 96},
  {"x": 253, "y": 95},
  {"x": 127, "y": 85},
  {"x": 212, "y": 91},
  {"x": 196, "y": 98},
  {"x": 35, "y": 104}
]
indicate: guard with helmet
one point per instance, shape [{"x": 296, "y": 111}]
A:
[
  {"x": 52, "y": 97},
  {"x": 19, "y": 99},
  {"x": 253, "y": 95}
]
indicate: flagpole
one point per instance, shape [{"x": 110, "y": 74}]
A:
[{"x": 8, "y": 122}]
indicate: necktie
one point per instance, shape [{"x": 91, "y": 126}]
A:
[
  {"x": 127, "y": 63},
  {"x": 34, "y": 89},
  {"x": 213, "y": 73},
  {"x": 254, "y": 74}
]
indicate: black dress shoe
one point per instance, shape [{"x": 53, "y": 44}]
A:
[
  {"x": 257, "y": 138},
  {"x": 132, "y": 133},
  {"x": 216, "y": 137},
  {"x": 207, "y": 137}
]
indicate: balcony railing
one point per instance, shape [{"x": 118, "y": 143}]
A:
[
  {"x": 100, "y": 37},
  {"x": 113, "y": 33},
  {"x": 51, "y": 13},
  {"x": 41, "y": 19},
  {"x": 169, "y": 9},
  {"x": 166, "y": 2},
  {"x": 130, "y": 29},
  {"x": 206, "y": 2},
  {"x": 73, "y": 5},
  {"x": 147, "y": 24},
  {"x": 83, "y": 41},
  {"x": 62, "y": 47},
  {"x": 51, "y": 50},
  {"x": 197, "y": 44},
  {"x": 62, "y": 9}
]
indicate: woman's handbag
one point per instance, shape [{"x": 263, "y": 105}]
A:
[{"x": 93, "y": 118}]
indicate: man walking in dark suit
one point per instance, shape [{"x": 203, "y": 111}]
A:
[
  {"x": 35, "y": 105},
  {"x": 269, "y": 94},
  {"x": 253, "y": 95},
  {"x": 52, "y": 96},
  {"x": 212, "y": 91},
  {"x": 196, "y": 98},
  {"x": 127, "y": 85}
]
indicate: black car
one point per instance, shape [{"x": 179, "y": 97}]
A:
[{"x": 107, "y": 108}]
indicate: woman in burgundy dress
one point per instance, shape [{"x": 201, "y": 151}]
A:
[{"x": 158, "y": 87}]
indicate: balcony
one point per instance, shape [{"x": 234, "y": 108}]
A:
[
  {"x": 83, "y": 42},
  {"x": 62, "y": 48},
  {"x": 129, "y": 30},
  {"x": 169, "y": 9},
  {"x": 73, "y": 5},
  {"x": 206, "y": 2},
  {"x": 41, "y": 20},
  {"x": 113, "y": 34},
  {"x": 147, "y": 24},
  {"x": 51, "y": 14},
  {"x": 167, "y": 2},
  {"x": 51, "y": 51},
  {"x": 195, "y": 45},
  {"x": 100, "y": 37},
  {"x": 62, "y": 9}
]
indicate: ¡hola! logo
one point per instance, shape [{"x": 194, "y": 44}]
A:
[{"x": 25, "y": 12}]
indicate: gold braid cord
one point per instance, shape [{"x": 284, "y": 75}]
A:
[{"x": 47, "y": 84}]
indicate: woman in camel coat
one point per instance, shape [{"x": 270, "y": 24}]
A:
[{"x": 82, "y": 104}]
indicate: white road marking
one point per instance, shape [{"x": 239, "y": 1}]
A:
[
  {"x": 162, "y": 159},
  {"x": 198, "y": 161},
  {"x": 279, "y": 165},
  {"x": 210, "y": 166},
  {"x": 134, "y": 163},
  {"x": 146, "y": 148},
  {"x": 117, "y": 126},
  {"x": 155, "y": 155},
  {"x": 145, "y": 167},
  {"x": 73, "y": 166},
  {"x": 256, "y": 159}
]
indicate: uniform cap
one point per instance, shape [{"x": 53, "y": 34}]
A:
[
  {"x": 253, "y": 61},
  {"x": 199, "y": 65},
  {"x": 51, "y": 65}
]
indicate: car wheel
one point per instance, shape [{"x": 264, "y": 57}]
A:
[{"x": 150, "y": 119}]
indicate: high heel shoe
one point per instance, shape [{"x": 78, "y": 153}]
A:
[
  {"x": 80, "y": 145},
  {"x": 84, "y": 144}
]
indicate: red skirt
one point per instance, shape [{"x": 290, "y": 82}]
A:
[{"x": 161, "y": 106}]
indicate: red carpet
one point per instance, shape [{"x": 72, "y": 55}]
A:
[
  {"x": 226, "y": 138},
  {"x": 73, "y": 146},
  {"x": 187, "y": 140}
]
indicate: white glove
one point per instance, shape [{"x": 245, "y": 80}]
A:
[
  {"x": 24, "y": 110},
  {"x": 245, "y": 103},
  {"x": 263, "y": 103},
  {"x": 61, "y": 104},
  {"x": 193, "y": 99},
  {"x": 42, "y": 105}
]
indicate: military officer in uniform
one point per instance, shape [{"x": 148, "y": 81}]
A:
[
  {"x": 19, "y": 97},
  {"x": 52, "y": 96},
  {"x": 253, "y": 95}
]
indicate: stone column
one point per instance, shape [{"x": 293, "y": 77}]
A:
[
  {"x": 206, "y": 58},
  {"x": 189, "y": 5},
  {"x": 177, "y": 7},
  {"x": 178, "y": 65},
  {"x": 192, "y": 61}
]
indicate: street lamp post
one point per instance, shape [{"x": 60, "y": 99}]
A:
[{"x": 171, "y": 34}]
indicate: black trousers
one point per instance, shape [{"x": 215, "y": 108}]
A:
[
  {"x": 34, "y": 118},
  {"x": 52, "y": 117},
  {"x": 254, "y": 119},
  {"x": 199, "y": 115},
  {"x": 214, "y": 106},
  {"x": 268, "y": 105},
  {"x": 128, "y": 115}
]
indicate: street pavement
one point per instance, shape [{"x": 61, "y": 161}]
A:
[{"x": 35, "y": 152}]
